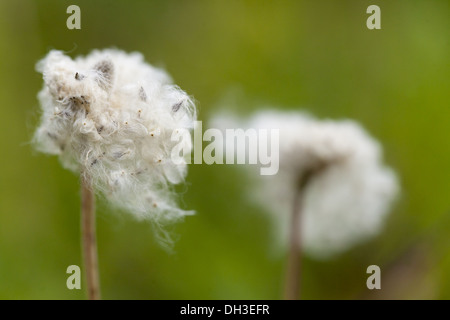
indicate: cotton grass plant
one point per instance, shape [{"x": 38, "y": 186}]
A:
[
  {"x": 109, "y": 117},
  {"x": 331, "y": 192}
]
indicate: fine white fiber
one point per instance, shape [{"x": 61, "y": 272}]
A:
[{"x": 110, "y": 116}]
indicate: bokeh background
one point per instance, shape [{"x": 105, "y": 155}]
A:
[{"x": 310, "y": 55}]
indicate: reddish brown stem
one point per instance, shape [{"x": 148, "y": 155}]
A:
[
  {"x": 293, "y": 270},
  {"x": 89, "y": 241}
]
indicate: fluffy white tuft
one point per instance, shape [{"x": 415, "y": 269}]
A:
[
  {"x": 345, "y": 200},
  {"x": 110, "y": 116}
]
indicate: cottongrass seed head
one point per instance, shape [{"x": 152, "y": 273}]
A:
[
  {"x": 348, "y": 193},
  {"x": 109, "y": 116}
]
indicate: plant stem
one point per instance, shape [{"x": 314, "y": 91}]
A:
[
  {"x": 293, "y": 271},
  {"x": 89, "y": 241}
]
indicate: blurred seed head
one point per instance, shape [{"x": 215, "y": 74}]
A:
[{"x": 347, "y": 191}]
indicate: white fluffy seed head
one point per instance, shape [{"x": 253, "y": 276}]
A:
[
  {"x": 347, "y": 197},
  {"x": 110, "y": 116}
]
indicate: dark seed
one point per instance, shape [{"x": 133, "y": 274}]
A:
[
  {"x": 79, "y": 76},
  {"x": 142, "y": 94},
  {"x": 118, "y": 155},
  {"x": 177, "y": 106},
  {"x": 106, "y": 69},
  {"x": 52, "y": 136},
  {"x": 100, "y": 129},
  {"x": 77, "y": 102}
]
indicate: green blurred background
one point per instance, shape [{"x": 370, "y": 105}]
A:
[{"x": 314, "y": 55}]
